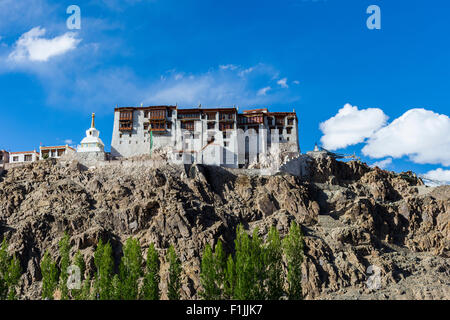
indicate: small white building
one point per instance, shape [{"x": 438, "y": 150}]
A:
[
  {"x": 23, "y": 156},
  {"x": 92, "y": 142},
  {"x": 55, "y": 152}
]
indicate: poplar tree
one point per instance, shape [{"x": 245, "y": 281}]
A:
[
  {"x": 104, "y": 263},
  {"x": 86, "y": 292},
  {"x": 150, "y": 290},
  {"x": 229, "y": 279},
  {"x": 220, "y": 266},
  {"x": 78, "y": 260},
  {"x": 274, "y": 258},
  {"x": 293, "y": 249},
  {"x": 131, "y": 269},
  {"x": 49, "y": 276},
  {"x": 3, "y": 269},
  {"x": 244, "y": 266},
  {"x": 10, "y": 272},
  {"x": 64, "y": 252},
  {"x": 116, "y": 288},
  {"x": 174, "y": 281},
  {"x": 208, "y": 276},
  {"x": 258, "y": 258},
  {"x": 13, "y": 277}
]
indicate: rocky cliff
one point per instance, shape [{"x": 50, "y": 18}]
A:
[{"x": 355, "y": 220}]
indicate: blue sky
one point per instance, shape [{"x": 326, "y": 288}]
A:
[{"x": 314, "y": 56}]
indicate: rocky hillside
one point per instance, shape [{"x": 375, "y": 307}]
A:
[{"x": 352, "y": 216}]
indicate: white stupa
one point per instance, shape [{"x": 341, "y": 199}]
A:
[{"x": 92, "y": 142}]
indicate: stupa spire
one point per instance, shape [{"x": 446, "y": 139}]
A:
[{"x": 93, "y": 121}]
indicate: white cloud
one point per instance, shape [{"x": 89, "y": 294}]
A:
[
  {"x": 439, "y": 176},
  {"x": 33, "y": 47},
  {"x": 263, "y": 91},
  {"x": 296, "y": 82},
  {"x": 68, "y": 141},
  {"x": 282, "y": 83},
  {"x": 382, "y": 164},
  {"x": 351, "y": 126},
  {"x": 228, "y": 67},
  {"x": 214, "y": 88},
  {"x": 422, "y": 135},
  {"x": 244, "y": 72}
]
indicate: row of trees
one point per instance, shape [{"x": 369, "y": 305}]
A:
[
  {"x": 256, "y": 272},
  {"x": 270, "y": 270},
  {"x": 135, "y": 278}
]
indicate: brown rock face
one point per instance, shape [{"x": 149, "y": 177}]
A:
[{"x": 353, "y": 217}]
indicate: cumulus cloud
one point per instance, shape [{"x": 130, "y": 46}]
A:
[
  {"x": 33, "y": 46},
  {"x": 439, "y": 176},
  {"x": 68, "y": 141},
  {"x": 351, "y": 126},
  {"x": 283, "y": 83},
  {"x": 422, "y": 135},
  {"x": 382, "y": 164}
]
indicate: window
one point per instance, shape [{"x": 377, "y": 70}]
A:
[
  {"x": 146, "y": 126},
  {"x": 130, "y": 135},
  {"x": 289, "y": 130},
  {"x": 169, "y": 125},
  {"x": 211, "y": 125},
  {"x": 226, "y": 143},
  {"x": 146, "y": 114},
  {"x": 280, "y": 130},
  {"x": 187, "y": 126},
  {"x": 120, "y": 135},
  {"x": 287, "y": 138},
  {"x": 15, "y": 159},
  {"x": 290, "y": 122},
  {"x": 28, "y": 157}
]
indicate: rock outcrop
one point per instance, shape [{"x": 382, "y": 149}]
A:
[{"x": 353, "y": 217}]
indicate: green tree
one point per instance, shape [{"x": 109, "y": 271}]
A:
[
  {"x": 116, "y": 290},
  {"x": 229, "y": 279},
  {"x": 104, "y": 263},
  {"x": 174, "y": 281},
  {"x": 274, "y": 264},
  {"x": 4, "y": 264},
  {"x": 258, "y": 258},
  {"x": 49, "y": 276},
  {"x": 64, "y": 252},
  {"x": 150, "y": 290},
  {"x": 13, "y": 277},
  {"x": 249, "y": 266},
  {"x": 208, "y": 276},
  {"x": 10, "y": 272},
  {"x": 131, "y": 269},
  {"x": 78, "y": 260},
  {"x": 86, "y": 292},
  {"x": 293, "y": 249}
]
